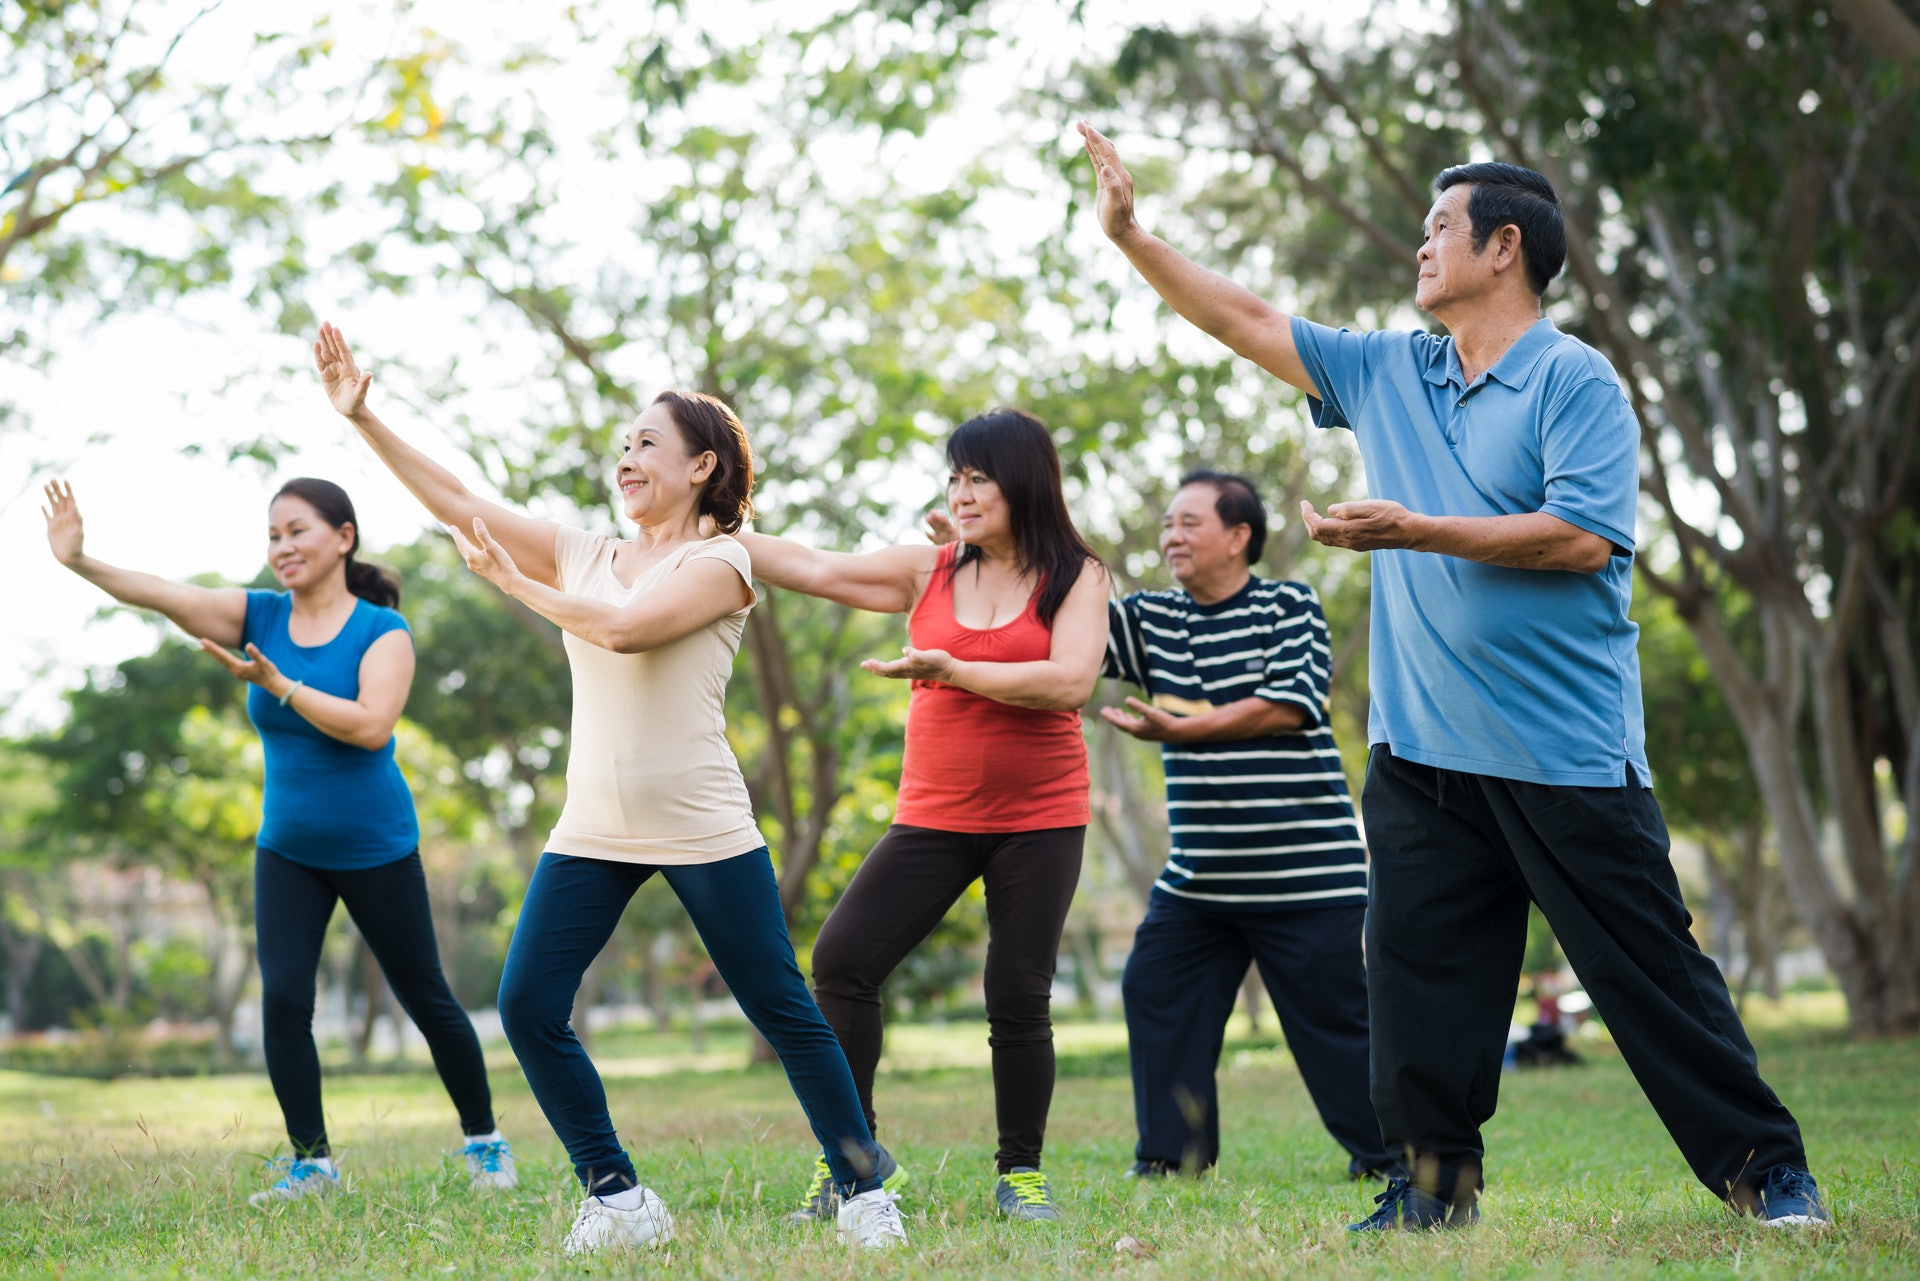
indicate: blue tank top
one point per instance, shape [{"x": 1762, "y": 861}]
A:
[{"x": 327, "y": 804}]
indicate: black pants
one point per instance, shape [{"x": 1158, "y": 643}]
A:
[
  {"x": 899, "y": 894},
  {"x": 1180, "y": 985},
  {"x": 292, "y": 905},
  {"x": 1455, "y": 859}
]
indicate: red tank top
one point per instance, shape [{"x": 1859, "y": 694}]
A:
[{"x": 976, "y": 765}]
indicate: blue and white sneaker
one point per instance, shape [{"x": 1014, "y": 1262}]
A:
[
  {"x": 489, "y": 1164},
  {"x": 1791, "y": 1199},
  {"x": 303, "y": 1177}
]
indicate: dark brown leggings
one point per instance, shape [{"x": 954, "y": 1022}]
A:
[{"x": 897, "y": 898}]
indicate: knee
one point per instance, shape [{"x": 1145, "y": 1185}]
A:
[
  {"x": 1018, "y": 1012},
  {"x": 526, "y": 1010},
  {"x": 837, "y": 969},
  {"x": 286, "y": 1004}
]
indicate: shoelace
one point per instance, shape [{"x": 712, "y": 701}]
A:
[
  {"x": 1029, "y": 1187},
  {"x": 297, "y": 1170},
  {"x": 1390, "y": 1199},
  {"x": 1793, "y": 1183},
  {"x": 817, "y": 1186},
  {"x": 884, "y": 1211},
  {"x": 487, "y": 1154}
]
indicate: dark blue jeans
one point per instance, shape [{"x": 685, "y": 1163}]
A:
[{"x": 571, "y": 908}]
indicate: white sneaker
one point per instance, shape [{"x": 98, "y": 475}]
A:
[
  {"x": 872, "y": 1219},
  {"x": 604, "y": 1225},
  {"x": 489, "y": 1165},
  {"x": 302, "y": 1178}
]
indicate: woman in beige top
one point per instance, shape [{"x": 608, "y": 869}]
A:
[{"x": 652, "y": 625}]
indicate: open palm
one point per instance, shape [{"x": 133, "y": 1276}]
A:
[
  {"x": 64, "y": 531},
  {"x": 346, "y": 386}
]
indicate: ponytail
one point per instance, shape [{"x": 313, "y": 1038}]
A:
[{"x": 375, "y": 584}]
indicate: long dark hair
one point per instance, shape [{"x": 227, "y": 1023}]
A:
[
  {"x": 375, "y": 583},
  {"x": 1013, "y": 449}
]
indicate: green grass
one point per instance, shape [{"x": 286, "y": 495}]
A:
[{"x": 150, "y": 1178}]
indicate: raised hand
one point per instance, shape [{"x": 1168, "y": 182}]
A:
[
  {"x": 346, "y": 386},
  {"x": 255, "y": 669},
  {"x": 940, "y": 530},
  {"x": 914, "y": 665},
  {"x": 484, "y": 555},
  {"x": 64, "y": 532},
  {"x": 1114, "y": 201}
]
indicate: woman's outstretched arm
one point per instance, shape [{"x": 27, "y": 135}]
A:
[
  {"x": 1064, "y": 679},
  {"x": 695, "y": 595},
  {"x": 217, "y": 613},
  {"x": 530, "y": 541},
  {"x": 887, "y": 581}
]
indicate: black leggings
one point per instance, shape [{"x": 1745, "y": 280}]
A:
[
  {"x": 292, "y": 905},
  {"x": 897, "y": 897}
]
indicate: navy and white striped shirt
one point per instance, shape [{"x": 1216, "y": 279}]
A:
[{"x": 1259, "y": 824}]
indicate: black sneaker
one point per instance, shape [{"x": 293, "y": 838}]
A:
[
  {"x": 1790, "y": 1199},
  {"x": 1405, "y": 1207}
]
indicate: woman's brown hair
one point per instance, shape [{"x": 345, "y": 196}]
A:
[{"x": 708, "y": 425}]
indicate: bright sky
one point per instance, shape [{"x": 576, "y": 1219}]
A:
[{"x": 119, "y": 410}]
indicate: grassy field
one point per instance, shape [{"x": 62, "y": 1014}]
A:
[{"x": 150, "y": 1178}]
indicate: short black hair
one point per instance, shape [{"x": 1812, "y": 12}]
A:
[
  {"x": 1237, "y": 502},
  {"x": 1507, "y": 194}
]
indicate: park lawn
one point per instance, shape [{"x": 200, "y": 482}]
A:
[{"x": 143, "y": 1178}]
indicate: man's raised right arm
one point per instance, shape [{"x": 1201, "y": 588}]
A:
[{"x": 1237, "y": 317}]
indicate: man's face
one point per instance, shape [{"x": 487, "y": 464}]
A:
[
  {"x": 1450, "y": 272},
  {"x": 1193, "y": 541}
]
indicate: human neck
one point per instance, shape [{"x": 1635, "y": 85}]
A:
[
  {"x": 324, "y": 597},
  {"x": 678, "y": 527},
  {"x": 1483, "y": 335},
  {"x": 1211, "y": 589}
]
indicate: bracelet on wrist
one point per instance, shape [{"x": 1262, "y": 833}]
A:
[{"x": 289, "y": 694}]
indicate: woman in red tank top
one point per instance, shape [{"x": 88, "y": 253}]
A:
[{"x": 1006, "y": 630}]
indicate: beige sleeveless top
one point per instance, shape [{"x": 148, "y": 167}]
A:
[{"x": 650, "y": 775}]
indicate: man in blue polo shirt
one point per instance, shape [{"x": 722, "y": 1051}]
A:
[
  {"x": 1507, "y": 760},
  {"x": 1267, "y": 863}
]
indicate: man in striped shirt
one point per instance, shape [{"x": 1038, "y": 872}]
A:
[{"x": 1267, "y": 863}]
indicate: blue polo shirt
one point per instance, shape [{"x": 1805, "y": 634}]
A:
[{"x": 1517, "y": 673}]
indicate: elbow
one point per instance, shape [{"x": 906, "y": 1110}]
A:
[
  {"x": 1071, "y": 697},
  {"x": 1591, "y": 557},
  {"x": 625, "y": 640},
  {"x": 372, "y": 740}
]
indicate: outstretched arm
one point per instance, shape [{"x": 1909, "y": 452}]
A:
[
  {"x": 1242, "y": 719},
  {"x": 217, "y": 613},
  {"x": 1236, "y": 316},
  {"x": 697, "y": 594},
  {"x": 439, "y": 490},
  {"x": 884, "y": 582},
  {"x": 1525, "y": 540}
]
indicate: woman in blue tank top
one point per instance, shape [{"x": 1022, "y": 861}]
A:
[{"x": 330, "y": 662}]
